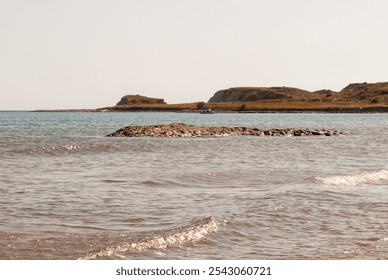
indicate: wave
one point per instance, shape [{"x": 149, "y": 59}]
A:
[
  {"x": 354, "y": 180},
  {"x": 177, "y": 237},
  {"x": 67, "y": 148}
]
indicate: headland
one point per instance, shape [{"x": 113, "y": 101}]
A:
[{"x": 354, "y": 98}]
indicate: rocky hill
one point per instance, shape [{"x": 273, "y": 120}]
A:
[
  {"x": 242, "y": 94},
  {"x": 139, "y": 100},
  {"x": 370, "y": 93}
]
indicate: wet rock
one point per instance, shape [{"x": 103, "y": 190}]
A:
[{"x": 175, "y": 130}]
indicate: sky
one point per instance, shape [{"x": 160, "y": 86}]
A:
[{"x": 89, "y": 53}]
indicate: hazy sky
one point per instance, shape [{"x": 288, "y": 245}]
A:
[{"x": 88, "y": 54}]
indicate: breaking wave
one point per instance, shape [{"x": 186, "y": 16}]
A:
[
  {"x": 354, "y": 180},
  {"x": 176, "y": 237}
]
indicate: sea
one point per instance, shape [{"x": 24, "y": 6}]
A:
[{"x": 69, "y": 192}]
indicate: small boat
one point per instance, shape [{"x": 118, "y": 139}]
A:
[{"x": 207, "y": 111}]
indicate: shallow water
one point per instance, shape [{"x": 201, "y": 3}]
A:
[{"x": 68, "y": 192}]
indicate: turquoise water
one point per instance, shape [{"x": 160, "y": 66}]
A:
[{"x": 69, "y": 192}]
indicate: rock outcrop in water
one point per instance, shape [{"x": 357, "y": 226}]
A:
[{"x": 185, "y": 130}]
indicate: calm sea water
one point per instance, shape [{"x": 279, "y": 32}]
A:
[{"x": 68, "y": 192}]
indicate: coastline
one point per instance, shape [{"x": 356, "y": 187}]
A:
[
  {"x": 362, "y": 110},
  {"x": 355, "y": 98}
]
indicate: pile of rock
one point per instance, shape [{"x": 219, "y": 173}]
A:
[{"x": 184, "y": 130}]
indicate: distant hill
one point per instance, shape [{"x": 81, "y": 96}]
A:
[
  {"x": 242, "y": 94},
  {"x": 369, "y": 93},
  {"x": 355, "y": 98},
  {"x": 139, "y": 100}
]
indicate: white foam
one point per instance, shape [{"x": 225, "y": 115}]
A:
[
  {"x": 354, "y": 180},
  {"x": 68, "y": 148},
  {"x": 190, "y": 234}
]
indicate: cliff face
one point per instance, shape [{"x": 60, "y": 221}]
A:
[
  {"x": 139, "y": 99},
  {"x": 368, "y": 93}
]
